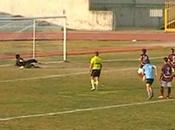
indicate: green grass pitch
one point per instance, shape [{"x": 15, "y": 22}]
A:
[{"x": 57, "y": 96}]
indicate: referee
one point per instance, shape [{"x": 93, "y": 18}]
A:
[{"x": 95, "y": 70}]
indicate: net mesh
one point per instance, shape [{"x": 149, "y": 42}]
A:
[{"x": 40, "y": 38}]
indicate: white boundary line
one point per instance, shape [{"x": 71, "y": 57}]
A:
[
  {"x": 6, "y": 65},
  {"x": 112, "y": 60},
  {"x": 119, "y": 60},
  {"x": 60, "y": 75},
  {"x": 42, "y": 77},
  {"x": 85, "y": 109}
]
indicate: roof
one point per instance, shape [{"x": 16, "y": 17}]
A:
[{"x": 110, "y": 4}]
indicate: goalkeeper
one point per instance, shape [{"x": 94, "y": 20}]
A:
[
  {"x": 20, "y": 62},
  {"x": 95, "y": 70}
]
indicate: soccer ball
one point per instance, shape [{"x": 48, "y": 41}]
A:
[
  {"x": 21, "y": 67},
  {"x": 134, "y": 40},
  {"x": 140, "y": 72}
]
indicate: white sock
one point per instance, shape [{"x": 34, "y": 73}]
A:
[{"x": 92, "y": 83}]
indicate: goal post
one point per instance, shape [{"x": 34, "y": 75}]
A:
[{"x": 35, "y": 29}]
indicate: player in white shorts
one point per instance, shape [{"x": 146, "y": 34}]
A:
[{"x": 166, "y": 78}]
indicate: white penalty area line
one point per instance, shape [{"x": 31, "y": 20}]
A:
[
  {"x": 112, "y": 60},
  {"x": 60, "y": 75},
  {"x": 85, "y": 109},
  {"x": 123, "y": 60},
  {"x": 42, "y": 77}
]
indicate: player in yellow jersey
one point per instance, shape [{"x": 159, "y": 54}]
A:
[{"x": 95, "y": 70}]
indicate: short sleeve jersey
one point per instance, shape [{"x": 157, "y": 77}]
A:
[
  {"x": 167, "y": 73},
  {"x": 148, "y": 70},
  {"x": 171, "y": 57},
  {"x": 96, "y": 62}
]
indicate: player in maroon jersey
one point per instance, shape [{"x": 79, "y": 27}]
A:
[
  {"x": 166, "y": 78},
  {"x": 143, "y": 59},
  {"x": 171, "y": 58}
]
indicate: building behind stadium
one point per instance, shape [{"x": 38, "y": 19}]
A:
[{"x": 92, "y": 14}]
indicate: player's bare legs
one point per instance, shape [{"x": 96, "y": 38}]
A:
[
  {"x": 161, "y": 93},
  {"x": 169, "y": 92},
  {"x": 96, "y": 82},
  {"x": 92, "y": 83},
  {"x": 149, "y": 91}
]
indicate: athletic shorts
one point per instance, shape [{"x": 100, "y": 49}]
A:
[
  {"x": 30, "y": 63},
  {"x": 96, "y": 73},
  {"x": 165, "y": 83},
  {"x": 149, "y": 81}
]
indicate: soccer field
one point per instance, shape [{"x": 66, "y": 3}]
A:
[{"x": 57, "y": 96}]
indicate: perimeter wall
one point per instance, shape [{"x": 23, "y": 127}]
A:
[{"x": 77, "y": 12}]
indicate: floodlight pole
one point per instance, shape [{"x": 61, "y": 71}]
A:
[{"x": 34, "y": 38}]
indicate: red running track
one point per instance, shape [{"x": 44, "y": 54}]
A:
[{"x": 85, "y": 35}]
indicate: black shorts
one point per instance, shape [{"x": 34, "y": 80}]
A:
[
  {"x": 149, "y": 81},
  {"x": 96, "y": 73},
  {"x": 29, "y": 63}
]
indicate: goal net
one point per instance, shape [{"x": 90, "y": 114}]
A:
[{"x": 42, "y": 38}]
